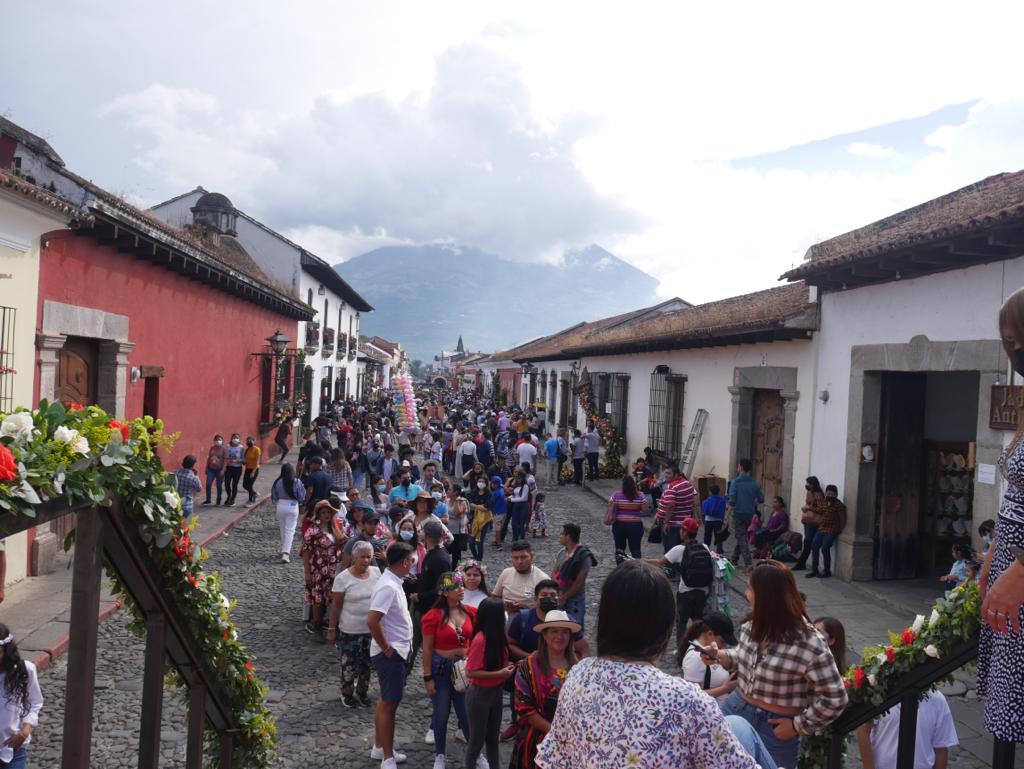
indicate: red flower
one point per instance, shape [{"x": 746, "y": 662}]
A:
[
  {"x": 908, "y": 637},
  {"x": 890, "y": 654},
  {"x": 73, "y": 406},
  {"x": 126, "y": 431},
  {"x": 858, "y": 677},
  {"x": 8, "y": 465},
  {"x": 193, "y": 581},
  {"x": 249, "y": 666},
  {"x": 847, "y": 683}
]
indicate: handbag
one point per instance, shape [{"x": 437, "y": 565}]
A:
[
  {"x": 655, "y": 534},
  {"x": 460, "y": 681}
]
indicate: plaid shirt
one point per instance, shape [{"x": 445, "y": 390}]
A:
[
  {"x": 188, "y": 486},
  {"x": 801, "y": 674}
]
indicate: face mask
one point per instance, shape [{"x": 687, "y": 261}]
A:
[
  {"x": 219, "y": 442},
  {"x": 987, "y": 539},
  {"x": 381, "y": 489},
  {"x": 547, "y": 604},
  {"x": 235, "y": 441},
  {"x": 481, "y": 485},
  {"x": 437, "y": 495},
  {"x": 405, "y": 535}
]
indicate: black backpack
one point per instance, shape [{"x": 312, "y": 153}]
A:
[{"x": 698, "y": 566}]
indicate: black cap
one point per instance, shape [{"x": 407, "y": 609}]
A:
[{"x": 722, "y": 626}]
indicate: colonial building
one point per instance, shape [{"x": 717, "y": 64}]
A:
[
  {"x": 331, "y": 369},
  {"x": 909, "y": 372},
  {"x": 143, "y": 318}
]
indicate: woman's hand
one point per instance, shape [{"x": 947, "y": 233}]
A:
[
  {"x": 508, "y": 671},
  {"x": 431, "y": 688},
  {"x": 784, "y": 728},
  {"x": 1001, "y": 608},
  {"x": 16, "y": 740}
]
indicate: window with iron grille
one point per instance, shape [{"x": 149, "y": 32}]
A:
[
  {"x": 7, "y": 371},
  {"x": 618, "y": 397},
  {"x": 665, "y": 421}
]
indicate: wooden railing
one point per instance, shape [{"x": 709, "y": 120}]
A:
[
  {"x": 907, "y": 694},
  {"x": 104, "y": 533}
]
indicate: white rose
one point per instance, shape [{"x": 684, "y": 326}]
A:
[
  {"x": 873, "y": 679},
  {"x": 172, "y": 500},
  {"x": 78, "y": 442},
  {"x": 81, "y": 445},
  {"x": 934, "y": 618},
  {"x": 931, "y": 651},
  {"x": 19, "y": 426},
  {"x": 918, "y": 623},
  {"x": 882, "y": 658},
  {"x": 224, "y": 601}
]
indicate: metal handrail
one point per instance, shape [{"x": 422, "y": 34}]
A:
[{"x": 907, "y": 693}]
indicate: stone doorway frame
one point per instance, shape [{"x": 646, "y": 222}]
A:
[
  {"x": 59, "y": 322},
  {"x": 855, "y": 554},
  {"x": 744, "y": 381}
]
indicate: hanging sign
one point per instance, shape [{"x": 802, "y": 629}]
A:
[{"x": 1005, "y": 407}]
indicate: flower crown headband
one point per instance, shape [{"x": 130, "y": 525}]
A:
[
  {"x": 9, "y": 639},
  {"x": 471, "y": 564}
]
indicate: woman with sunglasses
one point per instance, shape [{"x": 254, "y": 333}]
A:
[{"x": 447, "y": 628}]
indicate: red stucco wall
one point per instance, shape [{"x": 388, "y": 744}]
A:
[
  {"x": 203, "y": 337},
  {"x": 510, "y": 379}
]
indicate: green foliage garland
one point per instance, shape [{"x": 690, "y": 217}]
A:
[
  {"x": 80, "y": 453},
  {"x": 954, "y": 619},
  {"x": 614, "y": 444}
]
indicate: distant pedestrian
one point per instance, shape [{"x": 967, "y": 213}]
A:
[
  {"x": 810, "y": 517},
  {"x": 519, "y": 511},
  {"x": 539, "y": 516},
  {"x": 675, "y": 505},
  {"x": 593, "y": 444},
  {"x": 284, "y": 430},
  {"x": 288, "y": 494},
  {"x": 550, "y": 460},
  {"x": 626, "y": 508},
  {"x": 188, "y": 484},
  {"x": 215, "y": 463},
  {"x": 833, "y": 521},
  {"x": 251, "y": 462},
  {"x": 390, "y": 626},
  {"x": 21, "y": 700},
  {"x": 712, "y": 510},
  {"x": 317, "y": 482},
  {"x": 579, "y": 454},
  {"x": 744, "y": 496},
  {"x": 234, "y": 453}
]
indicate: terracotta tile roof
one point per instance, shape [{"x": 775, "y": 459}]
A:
[
  {"x": 44, "y": 197},
  {"x": 993, "y": 201},
  {"x": 780, "y": 312},
  {"x": 35, "y": 143},
  {"x": 551, "y": 347}
]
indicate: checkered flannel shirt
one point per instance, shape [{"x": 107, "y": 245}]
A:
[{"x": 801, "y": 674}]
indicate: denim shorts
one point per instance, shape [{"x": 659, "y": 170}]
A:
[{"x": 391, "y": 675}]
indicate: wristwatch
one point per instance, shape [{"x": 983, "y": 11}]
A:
[{"x": 1018, "y": 553}]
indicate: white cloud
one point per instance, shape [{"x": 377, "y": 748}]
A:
[{"x": 869, "y": 150}]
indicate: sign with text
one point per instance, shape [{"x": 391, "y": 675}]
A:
[{"x": 1005, "y": 407}]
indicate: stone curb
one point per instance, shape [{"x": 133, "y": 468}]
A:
[{"x": 43, "y": 658}]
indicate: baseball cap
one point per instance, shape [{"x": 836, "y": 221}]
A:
[
  {"x": 691, "y": 525},
  {"x": 496, "y": 479},
  {"x": 722, "y": 626}
]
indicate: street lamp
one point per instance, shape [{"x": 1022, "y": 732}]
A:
[{"x": 278, "y": 342}]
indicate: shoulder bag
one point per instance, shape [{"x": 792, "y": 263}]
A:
[
  {"x": 655, "y": 534},
  {"x": 460, "y": 681}
]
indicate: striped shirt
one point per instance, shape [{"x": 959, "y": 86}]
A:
[
  {"x": 800, "y": 674},
  {"x": 676, "y": 502},
  {"x": 627, "y": 510}
]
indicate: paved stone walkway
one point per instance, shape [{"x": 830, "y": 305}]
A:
[{"x": 314, "y": 728}]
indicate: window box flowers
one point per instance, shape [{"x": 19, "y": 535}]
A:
[
  {"x": 328, "y": 349},
  {"x": 312, "y": 336}
]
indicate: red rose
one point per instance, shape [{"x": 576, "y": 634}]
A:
[
  {"x": 908, "y": 637},
  {"x": 890, "y": 653},
  {"x": 72, "y": 406},
  {"x": 125, "y": 430},
  {"x": 8, "y": 465},
  {"x": 858, "y": 677},
  {"x": 249, "y": 666}
]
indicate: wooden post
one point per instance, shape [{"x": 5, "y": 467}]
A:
[
  {"x": 908, "y": 730},
  {"x": 196, "y": 724},
  {"x": 227, "y": 749},
  {"x": 152, "y": 691},
  {"x": 85, "y": 608}
]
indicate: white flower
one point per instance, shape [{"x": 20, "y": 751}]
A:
[
  {"x": 918, "y": 623},
  {"x": 934, "y": 618},
  {"x": 873, "y": 679},
  {"x": 19, "y": 426},
  {"x": 172, "y": 500},
  {"x": 882, "y": 658},
  {"x": 931, "y": 651},
  {"x": 78, "y": 442},
  {"x": 224, "y": 601}
]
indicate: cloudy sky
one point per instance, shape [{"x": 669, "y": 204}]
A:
[{"x": 709, "y": 146}]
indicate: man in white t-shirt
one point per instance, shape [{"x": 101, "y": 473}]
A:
[
  {"x": 527, "y": 452},
  {"x": 390, "y": 626},
  {"x": 936, "y": 734},
  {"x": 516, "y": 583},
  {"x": 694, "y": 561}
]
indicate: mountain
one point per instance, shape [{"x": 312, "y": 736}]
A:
[{"x": 426, "y": 297}]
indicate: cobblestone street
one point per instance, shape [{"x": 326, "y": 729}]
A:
[{"x": 314, "y": 728}]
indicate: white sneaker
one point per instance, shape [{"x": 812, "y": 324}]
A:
[
  {"x": 389, "y": 763},
  {"x": 285, "y": 558},
  {"x": 440, "y": 761},
  {"x": 481, "y": 763},
  {"x": 378, "y": 755},
  {"x": 429, "y": 737}
]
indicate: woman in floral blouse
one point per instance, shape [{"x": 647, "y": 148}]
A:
[
  {"x": 619, "y": 711},
  {"x": 320, "y": 561}
]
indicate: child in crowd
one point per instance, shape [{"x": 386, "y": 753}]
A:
[
  {"x": 958, "y": 571},
  {"x": 987, "y": 532},
  {"x": 973, "y": 569},
  {"x": 936, "y": 734},
  {"x": 538, "y": 518}
]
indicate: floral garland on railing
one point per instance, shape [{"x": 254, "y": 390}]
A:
[
  {"x": 614, "y": 444},
  {"x": 80, "y": 453},
  {"x": 954, "y": 619}
]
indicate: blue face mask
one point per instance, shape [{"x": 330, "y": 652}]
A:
[
  {"x": 405, "y": 535},
  {"x": 987, "y": 539},
  {"x": 381, "y": 489}
]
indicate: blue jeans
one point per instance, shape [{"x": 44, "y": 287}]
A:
[
  {"x": 214, "y": 476},
  {"x": 476, "y": 546},
  {"x": 520, "y": 514},
  {"x": 783, "y": 752},
  {"x": 669, "y": 539},
  {"x": 750, "y": 741},
  {"x": 823, "y": 545},
  {"x": 631, "y": 532},
  {"x": 20, "y": 760},
  {"x": 444, "y": 697}
]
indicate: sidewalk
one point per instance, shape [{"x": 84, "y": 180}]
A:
[{"x": 38, "y": 609}]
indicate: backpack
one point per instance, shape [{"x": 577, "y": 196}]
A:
[{"x": 698, "y": 567}]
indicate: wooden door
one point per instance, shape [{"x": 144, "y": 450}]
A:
[
  {"x": 901, "y": 462},
  {"x": 76, "y": 371},
  {"x": 769, "y": 424},
  {"x": 563, "y": 403}
]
